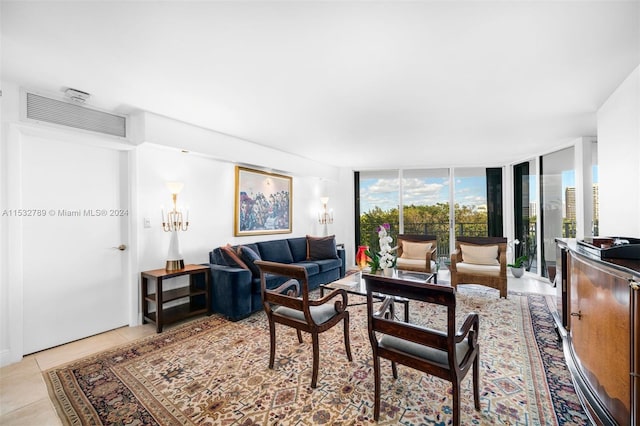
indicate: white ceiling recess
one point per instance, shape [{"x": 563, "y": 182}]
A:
[{"x": 357, "y": 84}]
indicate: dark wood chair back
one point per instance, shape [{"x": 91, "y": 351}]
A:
[
  {"x": 448, "y": 354},
  {"x": 289, "y": 304}
]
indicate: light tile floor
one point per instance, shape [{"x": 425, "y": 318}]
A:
[{"x": 24, "y": 400}]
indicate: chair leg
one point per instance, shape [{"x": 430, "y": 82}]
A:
[
  {"x": 376, "y": 380},
  {"x": 316, "y": 359},
  {"x": 272, "y": 345},
  {"x": 456, "y": 403},
  {"x": 476, "y": 382},
  {"x": 299, "y": 335},
  {"x": 347, "y": 341},
  {"x": 394, "y": 369}
]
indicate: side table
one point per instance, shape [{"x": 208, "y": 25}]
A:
[{"x": 163, "y": 315}]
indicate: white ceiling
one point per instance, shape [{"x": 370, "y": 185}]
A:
[{"x": 357, "y": 84}]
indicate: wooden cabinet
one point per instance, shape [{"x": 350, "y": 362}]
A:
[
  {"x": 601, "y": 334},
  {"x": 196, "y": 298}
]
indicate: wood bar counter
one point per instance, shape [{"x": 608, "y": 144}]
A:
[{"x": 599, "y": 321}]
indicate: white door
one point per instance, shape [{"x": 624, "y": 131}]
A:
[{"x": 74, "y": 275}]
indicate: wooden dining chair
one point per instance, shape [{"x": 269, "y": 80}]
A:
[
  {"x": 448, "y": 354},
  {"x": 289, "y": 304}
]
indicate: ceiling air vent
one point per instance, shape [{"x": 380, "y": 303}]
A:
[{"x": 53, "y": 111}]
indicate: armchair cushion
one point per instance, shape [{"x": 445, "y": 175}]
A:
[
  {"x": 320, "y": 314},
  {"x": 319, "y": 248},
  {"x": 414, "y": 250},
  {"x": 414, "y": 264},
  {"x": 473, "y": 268},
  {"x": 425, "y": 352},
  {"x": 249, "y": 256},
  {"x": 480, "y": 255}
]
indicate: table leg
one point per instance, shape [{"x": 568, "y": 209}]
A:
[
  {"x": 159, "y": 305},
  {"x": 145, "y": 293},
  {"x": 207, "y": 296}
]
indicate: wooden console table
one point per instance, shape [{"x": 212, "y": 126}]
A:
[
  {"x": 163, "y": 315},
  {"x": 599, "y": 321}
]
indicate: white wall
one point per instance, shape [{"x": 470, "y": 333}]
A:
[
  {"x": 209, "y": 193},
  {"x": 208, "y": 172},
  {"x": 619, "y": 160}
]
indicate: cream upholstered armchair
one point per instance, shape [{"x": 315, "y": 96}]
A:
[
  {"x": 417, "y": 253},
  {"x": 480, "y": 260}
]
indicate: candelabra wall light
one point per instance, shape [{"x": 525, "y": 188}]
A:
[
  {"x": 325, "y": 216},
  {"x": 173, "y": 222}
]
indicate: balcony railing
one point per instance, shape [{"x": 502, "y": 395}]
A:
[{"x": 439, "y": 229}]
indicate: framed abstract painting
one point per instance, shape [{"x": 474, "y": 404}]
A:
[{"x": 263, "y": 202}]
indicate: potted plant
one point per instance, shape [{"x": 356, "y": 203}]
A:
[
  {"x": 517, "y": 267},
  {"x": 384, "y": 259}
]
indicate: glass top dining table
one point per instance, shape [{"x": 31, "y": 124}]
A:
[{"x": 355, "y": 284}]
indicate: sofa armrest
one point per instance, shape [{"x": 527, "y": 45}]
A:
[
  {"x": 230, "y": 291},
  {"x": 342, "y": 254}
]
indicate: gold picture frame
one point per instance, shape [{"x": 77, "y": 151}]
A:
[{"x": 263, "y": 203}]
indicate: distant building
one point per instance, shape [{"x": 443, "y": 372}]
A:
[
  {"x": 596, "y": 214},
  {"x": 570, "y": 203}
]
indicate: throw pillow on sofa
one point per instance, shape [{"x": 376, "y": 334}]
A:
[
  {"x": 249, "y": 256},
  {"x": 231, "y": 257},
  {"x": 319, "y": 248}
]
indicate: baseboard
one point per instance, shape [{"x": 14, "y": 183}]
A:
[{"x": 7, "y": 357}]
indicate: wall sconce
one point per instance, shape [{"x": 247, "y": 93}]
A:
[
  {"x": 325, "y": 217},
  {"x": 173, "y": 222}
]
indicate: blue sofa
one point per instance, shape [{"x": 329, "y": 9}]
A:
[{"x": 235, "y": 288}]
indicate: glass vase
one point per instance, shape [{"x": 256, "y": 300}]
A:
[{"x": 361, "y": 257}]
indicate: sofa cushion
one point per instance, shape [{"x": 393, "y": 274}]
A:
[
  {"x": 415, "y": 250},
  {"x": 275, "y": 251},
  {"x": 319, "y": 248},
  {"x": 298, "y": 247},
  {"x": 311, "y": 267},
  {"x": 328, "y": 264},
  {"x": 248, "y": 255},
  {"x": 480, "y": 255},
  {"x": 232, "y": 258}
]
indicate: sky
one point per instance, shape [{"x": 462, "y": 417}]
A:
[
  {"x": 384, "y": 193},
  {"x": 470, "y": 191}
]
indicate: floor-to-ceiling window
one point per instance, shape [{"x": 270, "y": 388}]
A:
[
  {"x": 470, "y": 202},
  {"x": 595, "y": 229},
  {"x": 525, "y": 214},
  {"x": 427, "y": 199},
  {"x": 378, "y": 198},
  {"x": 425, "y": 204},
  {"x": 558, "y": 202}
]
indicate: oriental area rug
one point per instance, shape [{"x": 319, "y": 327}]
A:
[{"x": 214, "y": 372}]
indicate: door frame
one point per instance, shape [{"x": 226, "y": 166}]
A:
[{"x": 12, "y": 259}]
